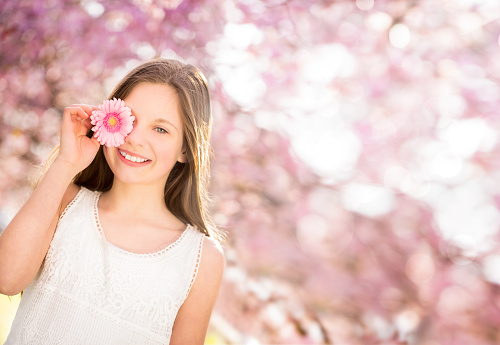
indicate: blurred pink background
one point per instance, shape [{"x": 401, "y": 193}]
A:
[{"x": 356, "y": 152}]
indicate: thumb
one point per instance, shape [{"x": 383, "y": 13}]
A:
[{"x": 94, "y": 141}]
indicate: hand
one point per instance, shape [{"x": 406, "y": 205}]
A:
[{"x": 77, "y": 150}]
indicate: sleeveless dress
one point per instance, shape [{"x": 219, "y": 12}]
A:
[{"x": 89, "y": 291}]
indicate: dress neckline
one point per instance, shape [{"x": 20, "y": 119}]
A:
[{"x": 100, "y": 232}]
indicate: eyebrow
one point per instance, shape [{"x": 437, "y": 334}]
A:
[
  {"x": 162, "y": 120},
  {"x": 158, "y": 119}
]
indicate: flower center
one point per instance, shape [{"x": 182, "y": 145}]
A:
[{"x": 112, "y": 122}]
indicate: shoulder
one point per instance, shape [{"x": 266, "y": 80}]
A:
[
  {"x": 212, "y": 257},
  {"x": 212, "y": 263},
  {"x": 209, "y": 275}
]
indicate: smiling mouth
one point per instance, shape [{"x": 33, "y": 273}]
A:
[{"x": 133, "y": 158}]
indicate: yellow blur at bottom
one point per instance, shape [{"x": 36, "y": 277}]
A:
[
  {"x": 8, "y": 308},
  {"x": 214, "y": 339}
]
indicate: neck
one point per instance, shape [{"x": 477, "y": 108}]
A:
[{"x": 140, "y": 201}]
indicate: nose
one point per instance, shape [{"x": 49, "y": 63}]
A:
[{"x": 137, "y": 137}]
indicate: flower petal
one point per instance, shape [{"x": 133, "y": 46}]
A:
[{"x": 112, "y": 133}]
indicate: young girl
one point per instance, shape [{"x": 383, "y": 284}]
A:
[{"x": 114, "y": 246}]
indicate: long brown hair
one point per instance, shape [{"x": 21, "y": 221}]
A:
[{"x": 186, "y": 190}]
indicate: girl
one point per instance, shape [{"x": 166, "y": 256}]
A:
[{"x": 114, "y": 244}]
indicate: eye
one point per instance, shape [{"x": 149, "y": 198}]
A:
[{"x": 161, "y": 130}]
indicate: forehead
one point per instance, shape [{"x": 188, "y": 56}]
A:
[{"x": 148, "y": 100}]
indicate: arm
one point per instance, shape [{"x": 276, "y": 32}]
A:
[
  {"x": 191, "y": 323},
  {"x": 25, "y": 241}
]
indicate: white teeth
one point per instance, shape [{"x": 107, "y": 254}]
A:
[{"x": 132, "y": 158}]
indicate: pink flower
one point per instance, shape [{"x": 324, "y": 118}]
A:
[{"x": 112, "y": 123}]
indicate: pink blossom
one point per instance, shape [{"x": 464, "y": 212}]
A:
[{"x": 112, "y": 123}]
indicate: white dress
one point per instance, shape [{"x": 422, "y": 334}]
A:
[{"x": 89, "y": 291}]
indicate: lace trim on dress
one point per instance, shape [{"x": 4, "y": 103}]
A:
[
  {"x": 68, "y": 207},
  {"x": 116, "y": 248},
  {"x": 197, "y": 264}
]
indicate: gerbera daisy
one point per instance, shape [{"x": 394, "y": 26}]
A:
[{"x": 112, "y": 123}]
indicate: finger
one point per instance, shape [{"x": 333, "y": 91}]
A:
[
  {"x": 75, "y": 113},
  {"x": 87, "y": 108},
  {"x": 94, "y": 139},
  {"x": 87, "y": 123}
]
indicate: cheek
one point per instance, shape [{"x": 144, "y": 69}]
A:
[
  {"x": 167, "y": 155},
  {"x": 166, "y": 149}
]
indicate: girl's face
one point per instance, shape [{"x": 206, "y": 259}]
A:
[{"x": 156, "y": 142}]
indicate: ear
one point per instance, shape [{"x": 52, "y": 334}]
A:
[{"x": 182, "y": 157}]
